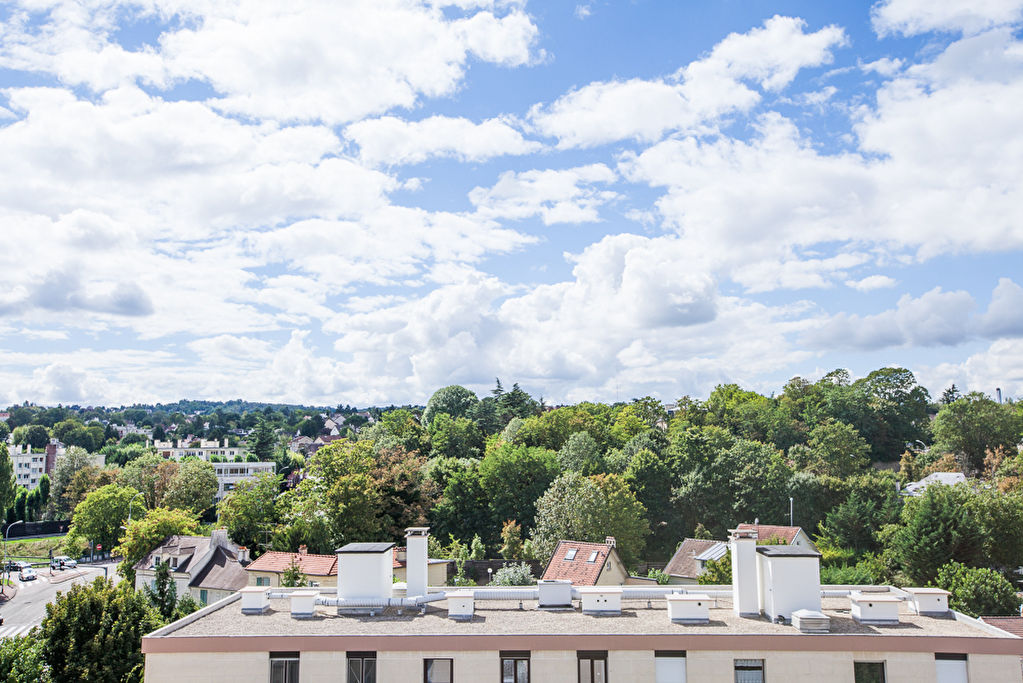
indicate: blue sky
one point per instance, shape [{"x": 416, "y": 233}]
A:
[{"x": 360, "y": 202}]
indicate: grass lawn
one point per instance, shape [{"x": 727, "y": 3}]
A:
[{"x": 34, "y": 548}]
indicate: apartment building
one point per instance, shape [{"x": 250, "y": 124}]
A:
[
  {"x": 206, "y": 449},
  {"x": 29, "y": 467},
  {"x": 774, "y": 623},
  {"x": 230, "y": 473}
]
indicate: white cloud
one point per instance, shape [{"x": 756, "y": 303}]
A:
[
  {"x": 871, "y": 283},
  {"x": 1004, "y": 316},
  {"x": 390, "y": 140},
  {"x": 886, "y": 66},
  {"x": 998, "y": 366},
  {"x": 557, "y": 196},
  {"x": 911, "y": 17},
  {"x": 303, "y": 60},
  {"x": 697, "y": 95}
]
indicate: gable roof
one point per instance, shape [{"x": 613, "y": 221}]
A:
[
  {"x": 685, "y": 561},
  {"x": 945, "y": 478},
  {"x": 185, "y": 548},
  {"x": 222, "y": 572},
  {"x": 765, "y": 531},
  {"x": 1013, "y": 625},
  {"x": 578, "y": 570},
  {"x": 310, "y": 565}
]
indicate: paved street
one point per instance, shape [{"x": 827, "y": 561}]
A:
[{"x": 29, "y": 607}]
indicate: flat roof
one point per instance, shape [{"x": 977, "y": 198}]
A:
[
  {"x": 786, "y": 551},
  {"x": 365, "y": 548},
  {"x": 505, "y": 618}
]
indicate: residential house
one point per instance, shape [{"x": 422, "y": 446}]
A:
[
  {"x": 318, "y": 570},
  {"x": 436, "y": 571},
  {"x": 230, "y": 473},
  {"x": 209, "y": 568},
  {"x": 774, "y": 624},
  {"x": 587, "y": 564},
  {"x": 691, "y": 558},
  {"x": 917, "y": 488},
  {"x": 791, "y": 535}
]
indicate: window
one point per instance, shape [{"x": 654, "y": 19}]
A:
[
  {"x": 950, "y": 668},
  {"x": 749, "y": 671},
  {"x": 593, "y": 556},
  {"x": 283, "y": 667},
  {"x": 437, "y": 670},
  {"x": 670, "y": 666},
  {"x": 570, "y": 555},
  {"x": 203, "y": 596},
  {"x": 592, "y": 666},
  {"x": 262, "y": 580},
  {"x": 868, "y": 672},
  {"x": 515, "y": 667},
  {"x": 174, "y": 563},
  {"x": 362, "y": 667}
]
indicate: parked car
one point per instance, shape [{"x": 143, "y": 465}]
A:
[
  {"x": 27, "y": 574},
  {"x": 12, "y": 566},
  {"x": 62, "y": 562}
]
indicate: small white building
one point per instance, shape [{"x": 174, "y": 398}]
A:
[
  {"x": 230, "y": 473},
  {"x": 917, "y": 488}
]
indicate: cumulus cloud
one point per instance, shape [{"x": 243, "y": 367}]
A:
[
  {"x": 912, "y": 17},
  {"x": 390, "y": 140},
  {"x": 699, "y": 93},
  {"x": 871, "y": 282},
  {"x": 557, "y": 196},
  {"x": 998, "y": 366}
]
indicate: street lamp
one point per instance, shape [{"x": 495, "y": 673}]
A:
[
  {"x": 7, "y": 572},
  {"x": 129, "y": 507}
]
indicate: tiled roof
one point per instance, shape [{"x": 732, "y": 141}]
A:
[
  {"x": 577, "y": 570},
  {"x": 310, "y": 565},
  {"x": 1013, "y": 625},
  {"x": 683, "y": 562},
  {"x": 183, "y": 547},
  {"x": 222, "y": 572},
  {"x": 765, "y": 531}
]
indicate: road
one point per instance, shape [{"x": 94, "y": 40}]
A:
[{"x": 29, "y": 607}]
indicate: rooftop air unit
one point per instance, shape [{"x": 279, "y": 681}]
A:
[
  {"x": 688, "y": 608},
  {"x": 554, "y": 593},
  {"x": 601, "y": 599},
  {"x": 874, "y": 609},
  {"x": 811, "y": 621},
  {"x": 460, "y": 605},
  {"x": 365, "y": 571},
  {"x": 928, "y": 602},
  {"x": 789, "y": 580}
]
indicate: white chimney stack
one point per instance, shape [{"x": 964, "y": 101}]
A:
[
  {"x": 416, "y": 559},
  {"x": 745, "y": 594}
]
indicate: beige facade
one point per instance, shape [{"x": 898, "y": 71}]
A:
[
  {"x": 560, "y": 666},
  {"x": 273, "y": 579},
  {"x": 436, "y": 573}
]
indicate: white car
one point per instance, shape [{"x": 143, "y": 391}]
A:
[
  {"x": 63, "y": 562},
  {"x": 27, "y": 574}
]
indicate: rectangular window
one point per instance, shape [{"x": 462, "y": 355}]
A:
[
  {"x": 570, "y": 555},
  {"x": 438, "y": 671},
  {"x": 262, "y": 580},
  {"x": 868, "y": 672},
  {"x": 203, "y": 596},
  {"x": 362, "y": 667},
  {"x": 593, "y": 556},
  {"x": 592, "y": 666},
  {"x": 283, "y": 667},
  {"x": 950, "y": 668},
  {"x": 670, "y": 666},
  {"x": 749, "y": 671},
  {"x": 515, "y": 667}
]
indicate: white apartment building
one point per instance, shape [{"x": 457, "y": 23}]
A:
[
  {"x": 29, "y": 467},
  {"x": 230, "y": 473},
  {"x": 205, "y": 449},
  {"x": 773, "y": 624}
]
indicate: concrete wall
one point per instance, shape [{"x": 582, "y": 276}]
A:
[{"x": 624, "y": 666}]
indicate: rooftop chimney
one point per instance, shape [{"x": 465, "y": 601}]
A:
[
  {"x": 243, "y": 555},
  {"x": 303, "y": 549},
  {"x": 745, "y": 599},
  {"x": 610, "y": 540},
  {"x": 416, "y": 575}
]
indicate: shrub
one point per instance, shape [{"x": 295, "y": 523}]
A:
[
  {"x": 977, "y": 591},
  {"x": 661, "y": 577},
  {"x": 514, "y": 575}
]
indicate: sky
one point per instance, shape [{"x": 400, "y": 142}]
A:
[{"x": 362, "y": 201}]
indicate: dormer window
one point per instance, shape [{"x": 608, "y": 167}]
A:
[
  {"x": 174, "y": 563},
  {"x": 593, "y": 557},
  {"x": 570, "y": 555}
]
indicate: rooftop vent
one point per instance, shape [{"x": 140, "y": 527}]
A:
[
  {"x": 303, "y": 604},
  {"x": 460, "y": 605},
  {"x": 688, "y": 608},
  {"x": 811, "y": 621},
  {"x": 789, "y": 580},
  {"x": 928, "y": 602},
  {"x": 254, "y": 600},
  {"x": 874, "y": 609},
  {"x": 365, "y": 571},
  {"x": 554, "y": 593},
  {"x": 601, "y": 599}
]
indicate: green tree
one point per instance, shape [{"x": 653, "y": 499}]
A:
[
  {"x": 263, "y": 440},
  {"x": 514, "y": 575},
  {"x": 513, "y": 477},
  {"x": 145, "y": 533},
  {"x": 249, "y": 511},
  {"x": 8, "y": 489},
  {"x": 650, "y": 477},
  {"x": 454, "y": 437},
  {"x": 399, "y": 429},
  {"x": 1000, "y": 517},
  {"x": 21, "y": 659},
  {"x": 144, "y": 474},
  {"x": 463, "y": 510},
  {"x": 717, "y": 572},
  {"x": 292, "y": 576},
  {"x": 936, "y": 527},
  {"x": 21, "y": 504},
  {"x": 406, "y": 493},
  {"x": 477, "y": 550},
  {"x": 589, "y": 509},
  {"x": 834, "y": 448},
  {"x": 93, "y": 632},
  {"x": 972, "y": 426},
  {"x": 977, "y": 591},
  {"x": 852, "y": 524},
  {"x": 192, "y": 487},
  {"x": 511, "y": 540},
  {"x": 580, "y": 454},
  {"x": 99, "y": 517},
  {"x": 164, "y": 594},
  {"x": 35, "y": 436},
  {"x": 455, "y": 400}
]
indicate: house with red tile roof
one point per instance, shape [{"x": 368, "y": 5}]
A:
[
  {"x": 587, "y": 564},
  {"x": 319, "y": 570},
  {"x": 691, "y": 558},
  {"x": 436, "y": 570},
  {"x": 792, "y": 535}
]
